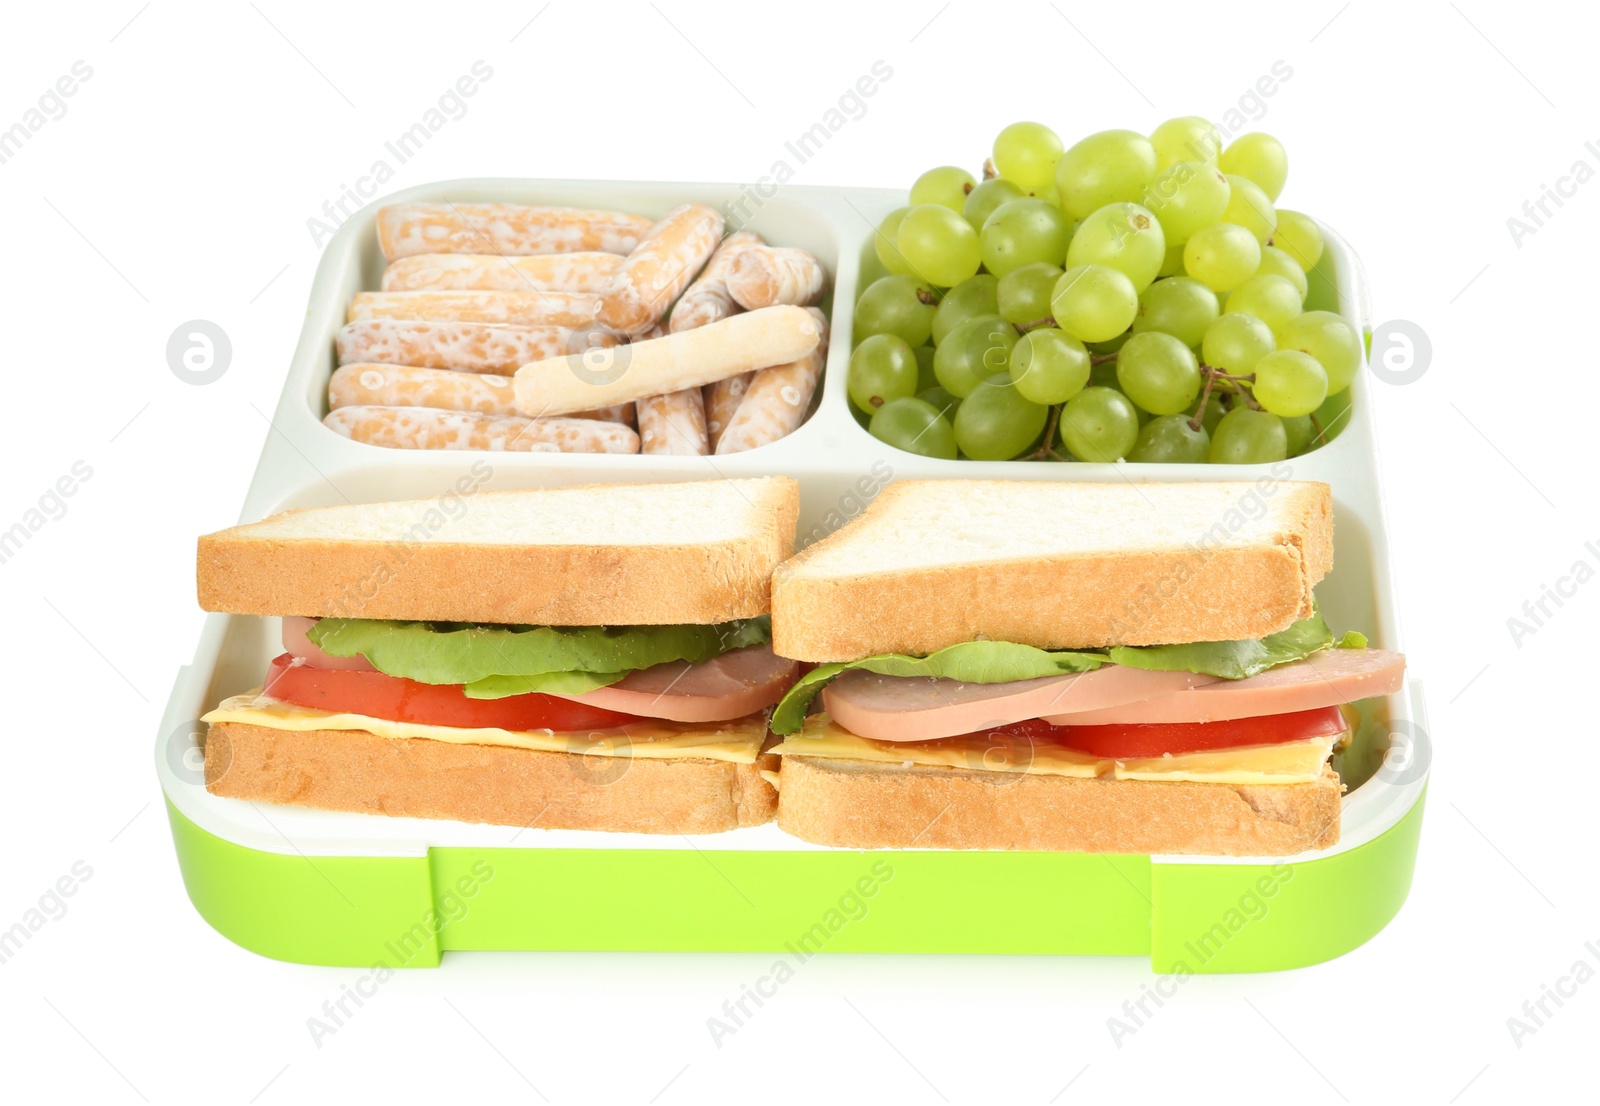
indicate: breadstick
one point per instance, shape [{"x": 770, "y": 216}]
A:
[
  {"x": 555, "y": 272},
  {"x": 466, "y": 347},
  {"x": 600, "y": 377},
  {"x": 707, "y": 300},
  {"x": 429, "y": 428},
  {"x": 777, "y": 399},
  {"x": 765, "y": 276},
  {"x": 515, "y": 229},
  {"x": 673, "y": 423},
  {"x": 660, "y": 268},
  {"x": 569, "y": 309},
  {"x": 722, "y": 399}
]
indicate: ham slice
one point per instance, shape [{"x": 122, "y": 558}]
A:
[
  {"x": 1324, "y": 679},
  {"x": 914, "y": 708},
  {"x": 296, "y": 642},
  {"x": 733, "y": 685}
]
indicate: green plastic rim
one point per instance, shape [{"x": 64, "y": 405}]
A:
[{"x": 407, "y": 911}]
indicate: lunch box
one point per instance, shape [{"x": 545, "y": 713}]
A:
[{"x": 333, "y": 888}]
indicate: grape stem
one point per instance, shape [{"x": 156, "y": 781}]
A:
[
  {"x": 1234, "y": 384},
  {"x": 1317, "y": 426},
  {"x": 1053, "y": 419},
  {"x": 1048, "y": 320},
  {"x": 926, "y": 297},
  {"x": 1101, "y": 359},
  {"x": 989, "y": 171}
]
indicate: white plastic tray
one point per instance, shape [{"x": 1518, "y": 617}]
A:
[{"x": 839, "y": 465}]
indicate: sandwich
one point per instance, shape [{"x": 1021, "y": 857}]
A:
[
  {"x": 1103, "y": 667},
  {"x": 594, "y": 658}
]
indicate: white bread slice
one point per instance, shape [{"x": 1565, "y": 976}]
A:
[
  {"x": 855, "y": 805},
  {"x": 931, "y": 563},
  {"x": 416, "y": 778},
  {"x": 601, "y": 555}
]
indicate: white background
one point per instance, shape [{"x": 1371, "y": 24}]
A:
[{"x": 178, "y": 185}]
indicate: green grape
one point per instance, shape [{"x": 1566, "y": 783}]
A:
[
  {"x": 925, "y": 375},
  {"x": 1246, "y": 437},
  {"x": 986, "y": 196},
  {"x": 1328, "y": 338},
  {"x": 1049, "y": 366},
  {"x": 1022, "y": 232},
  {"x": 1278, "y": 263},
  {"x": 1093, "y": 303},
  {"x": 1214, "y": 410},
  {"x": 1272, "y": 299},
  {"x": 995, "y": 422},
  {"x": 1124, "y": 236},
  {"x": 881, "y": 368},
  {"x": 947, "y": 185},
  {"x": 1300, "y": 237},
  {"x": 1158, "y": 372},
  {"x": 1049, "y": 194},
  {"x": 1333, "y": 416},
  {"x": 940, "y": 246},
  {"x": 1026, "y": 154},
  {"x": 1222, "y": 256},
  {"x": 883, "y": 242},
  {"x": 894, "y": 305},
  {"x": 1234, "y": 343},
  {"x": 1105, "y": 168},
  {"x": 1024, "y": 293},
  {"x": 1169, "y": 440},
  {"x": 1180, "y": 306},
  {"x": 942, "y": 401},
  {"x": 1250, "y": 208},
  {"x": 1188, "y": 196},
  {"x": 1187, "y": 138},
  {"x": 914, "y": 426},
  {"x": 1172, "y": 264},
  {"x": 1259, "y": 158},
  {"x": 972, "y": 297},
  {"x": 973, "y": 352},
  {"x": 1298, "y": 432},
  {"x": 1289, "y": 383},
  {"x": 1103, "y": 375},
  {"x": 1099, "y": 424}
]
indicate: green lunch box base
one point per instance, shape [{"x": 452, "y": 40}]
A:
[{"x": 1188, "y": 918}]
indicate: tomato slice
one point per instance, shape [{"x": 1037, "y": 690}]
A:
[
  {"x": 1153, "y": 739},
  {"x": 396, "y": 699}
]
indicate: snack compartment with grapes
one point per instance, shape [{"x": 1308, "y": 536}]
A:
[{"x": 1129, "y": 297}]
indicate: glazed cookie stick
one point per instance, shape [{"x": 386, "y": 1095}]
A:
[
  {"x": 601, "y": 377},
  {"x": 777, "y": 399},
  {"x": 673, "y": 423},
  {"x": 660, "y": 268},
  {"x": 707, "y": 300},
  {"x": 556, "y": 272},
  {"x": 512, "y": 229},
  {"x": 466, "y": 347},
  {"x": 430, "y": 428},
  {"x": 765, "y": 276},
  {"x": 569, "y": 309}
]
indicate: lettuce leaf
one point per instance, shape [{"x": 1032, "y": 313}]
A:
[
  {"x": 972, "y": 662},
  {"x": 1232, "y": 660},
  {"x": 496, "y": 661},
  {"x": 996, "y": 662}
]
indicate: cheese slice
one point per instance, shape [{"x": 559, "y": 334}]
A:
[
  {"x": 738, "y": 742},
  {"x": 1290, "y": 762},
  {"x": 822, "y": 737}
]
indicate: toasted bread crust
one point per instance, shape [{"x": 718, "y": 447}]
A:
[
  {"x": 852, "y": 804},
  {"x": 243, "y": 572},
  {"x": 1074, "y": 599},
  {"x": 357, "y": 771}
]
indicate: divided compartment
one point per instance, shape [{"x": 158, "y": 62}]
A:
[{"x": 243, "y": 863}]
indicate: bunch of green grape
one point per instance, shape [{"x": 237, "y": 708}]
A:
[{"x": 1132, "y": 297}]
